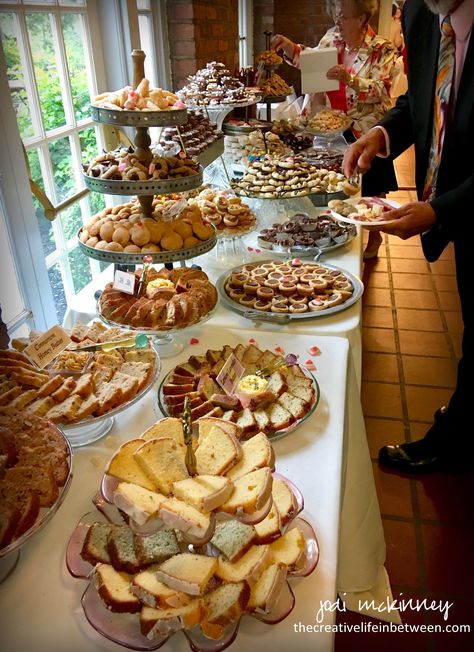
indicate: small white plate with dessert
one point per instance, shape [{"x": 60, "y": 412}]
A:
[{"x": 363, "y": 211}]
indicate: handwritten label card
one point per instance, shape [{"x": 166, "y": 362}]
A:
[
  {"x": 230, "y": 374},
  {"x": 124, "y": 281},
  {"x": 47, "y": 346},
  {"x": 314, "y": 64}
]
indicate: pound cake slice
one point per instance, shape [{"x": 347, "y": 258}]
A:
[
  {"x": 95, "y": 547},
  {"x": 168, "y": 427},
  {"x": 179, "y": 515},
  {"x": 124, "y": 466},
  {"x": 114, "y": 589},
  {"x": 121, "y": 548},
  {"x": 162, "y": 460},
  {"x": 206, "y": 423},
  {"x": 205, "y": 492},
  {"x": 266, "y": 591},
  {"x": 163, "y": 622},
  {"x": 257, "y": 452},
  {"x": 139, "y": 503},
  {"x": 187, "y": 572},
  {"x": 284, "y": 499},
  {"x": 251, "y": 492},
  {"x": 233, "y": 538},
  {"x": 249, "y": 567},
  {"x": 289, "y": 549},
  {"x": 217, "y": 451},
  {"x": 155, "y": 548},
  {"x": 153, "y": 593},
  {"x": 270, "y": 528},
  {"x": 223, "y": 606}
]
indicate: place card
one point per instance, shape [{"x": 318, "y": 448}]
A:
[
  {"x": 47, "y": 346},
  {"x": 230, "y": 374},
  {"x": 124, "y": 281}
]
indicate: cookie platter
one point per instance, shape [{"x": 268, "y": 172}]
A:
[
  {"x": 138, "y": 118},
  {"x": 340, "y": 293}
]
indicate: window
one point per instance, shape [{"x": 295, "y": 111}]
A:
[{"x": 49, "y": 67}]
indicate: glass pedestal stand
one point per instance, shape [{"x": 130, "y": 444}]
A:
[
  {"x": 167, "y": 345},
  {"x": 89, "y": 433}
]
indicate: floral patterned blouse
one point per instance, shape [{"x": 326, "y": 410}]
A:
[{"x": 373, "y": 66}]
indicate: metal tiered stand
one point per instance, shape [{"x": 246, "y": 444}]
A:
[{"x": 145, "y": 190}]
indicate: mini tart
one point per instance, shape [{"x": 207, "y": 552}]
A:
[
  {"x": 298, "y": 307},
  {"x": 260, "y": 271},
  {"x": 279, "y": 307},
  {"x": 307, "y": 277},
  {"x": 248, "y": 268},
  {"x": 333, "y": 299},
  {"x": 304, "y": 290},
  {"x": 268, "y": 266},
  {"x": 318, "y": 284},
  {"x": 298, "y": 273},
  {"x": 247, "y": 300},
  {"x": 316, "y": 304},
  {"x": 265, "y": 293},
  {"x": 275, "y": 275},
  {"x": 264, "y": 306},
  {"x": 235, "y": 293},
  {"x": 287, "y": 288},
  {"x": 298, "y": 299},
  {"x": 251, "y": 287},
  {"x": 329, "y": 279},
  {"x": 238, "y": 280},
  {"x": 279, "y": 298},
  {"x": 283, "y": 269},
  {"x": 272, "y": 283}
]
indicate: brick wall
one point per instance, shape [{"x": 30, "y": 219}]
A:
[{"x": 200, "y": 31}]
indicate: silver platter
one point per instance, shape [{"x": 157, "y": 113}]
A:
[
  {"x": 139, "y": 118},
  {"x": 236, "y": 130},
  {"x": 285, "y": 318},
  {"x": 318, "y": 198},
  {"x": 160, "y": 257},
  {"x": 304, "y": 252},
  {"x": 211, "y": 153},
  {"x": 150, "y": 187},
  {"x": 274, "y": 99}
]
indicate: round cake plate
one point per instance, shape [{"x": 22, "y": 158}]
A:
[
  {"x": 137, "y": 259},
  {"x": 124, "y": 118},
  {"x": 286, "y": 318},
  {"x": 305, "y": 252},
  {"x": 274, "y": 99},
  {"x": 146, "y": 187}
]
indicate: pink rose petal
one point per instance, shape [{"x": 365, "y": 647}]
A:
[
  {"x": 295, "y": 262},
  {"x": 194, "y": 340},
  {"x": 314, "y": 350}
]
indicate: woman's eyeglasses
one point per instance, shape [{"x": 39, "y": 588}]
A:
[{"x": 340, "y": 18}]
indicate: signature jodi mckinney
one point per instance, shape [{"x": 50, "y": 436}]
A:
[{"x": 387, "y": 606}]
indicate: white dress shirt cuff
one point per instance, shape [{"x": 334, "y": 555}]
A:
[{"x": 387, "y": 141}]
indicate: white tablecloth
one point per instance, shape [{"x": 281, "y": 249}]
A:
[{"x": 326, "y": 458}]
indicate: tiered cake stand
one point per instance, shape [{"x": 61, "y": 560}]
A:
[{"x": 141, "y": 121}]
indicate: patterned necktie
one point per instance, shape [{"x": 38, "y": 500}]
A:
[{"x": 444, "y": 80}]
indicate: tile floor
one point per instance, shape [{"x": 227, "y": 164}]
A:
[{"x": 411, "y": 340}]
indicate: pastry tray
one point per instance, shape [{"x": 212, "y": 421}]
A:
[
  {"x": 274, "y": 99},
  {"x": 160, "y": 257},
  {"x": 145, "y": 187},
  {"x": 125, "y": 118},
  {"x": 285, "y": 318},
  {"x": 302, "y": 251},
  {"x": 236, "y": 130}
]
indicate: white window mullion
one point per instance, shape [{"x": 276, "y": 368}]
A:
[
  {"x": 29, "y": 75},
  {"x": 59, "y": 132},
  {"x": 61, "y": 61}
]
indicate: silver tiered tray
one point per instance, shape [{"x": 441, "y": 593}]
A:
[
  {"x": 125, "y": 118},
  {"x": 121, "y": 258},
  {"x": 146, "y": 187}
]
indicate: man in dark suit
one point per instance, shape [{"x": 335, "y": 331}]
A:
[{"x": 444, "y": 213}]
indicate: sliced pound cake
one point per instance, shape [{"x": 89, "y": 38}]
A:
[
  {"x": 187, "y": 572},
  {"x": 217, "y": 451},
  {"x": 289, "y": 549},
  {"x": 266, "y": 591},
  {"x": 153, "y": 593},
  {"x": 257, "y": 452},
  {"x": 156, "y": 623},
  {"x": 205, "y": 492},
  {"x": 139, "y": 503},
  {"x": 233, "y": 538},
  {"x": 223, "y": 606},
  {"x": 162, "y": 460},
  {"x": 249, "y": 567},
  {"x": 156, "y": 547},
  {"x": 251, "y": 492},
  {"x": 114, "y": 589},
  {"x": 124, "y": 466}
]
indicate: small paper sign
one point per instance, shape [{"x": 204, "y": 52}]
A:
[
  {"x": 230, "y": 374},
  {"x": 47, "y": 346},
  {"x": 124, "y": 281},
  {"x": 314, "y": 64}
]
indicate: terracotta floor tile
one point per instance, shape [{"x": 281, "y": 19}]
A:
[
  {"x": 380, "y": 367},
  {"x": 446, "y": 497},
  {"x": 449, "y": 301},
  {"x": 454, "y": 321},
  {"x": 423, "y": 401},
  {"x": 445, "y": 282},
  {"x": 448, "y": 253},
  {"x": 416, "y": 299},
  {"x": 419, "y": 320},
  {"x": 376, "y": 280},
  {"x": 381, "y": 432},
  {"x": 448, "y": 558},
  {"x": 412, "y": 266},
  {"x": 376, "y": 264},
  {"x": 381, "y": 400},
  {"x": 378, "y": 339},
  {"x": 443, "y": 267},
  {"x": 418, "y": 429},
  {"x": 379, "y": 317},
  {"x": 434, "y": 344},
  {"x": 398, "y": 251},
  {"x": 394, "y": 493},
  {"x": 402, "y": 557},
  {"x": 412, "y": 281},
  {"x": 456, "y": 339},
  {"x": 436, "y": 372},
  {"x": 377, "y": 297},
  {"x": 397, "y": 242}
]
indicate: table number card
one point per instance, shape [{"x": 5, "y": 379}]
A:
[
  {"x": 230, "y": 374},
  {"x": 47, "y": 346},
  {"x": 124, "y": 281}
]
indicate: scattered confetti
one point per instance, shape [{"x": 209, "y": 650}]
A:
[
  {"x": 314, "y": 350},
  {"x": 252, "y": 340},
  {"x": 249, "y": 248},
  {"x": 258, "y": 251},
  {"x": 278, "y": 349},
  {"x": 194, "y": 340},
  {"x": 309, "y": 364},
  {"x": 295, "y": 262}
]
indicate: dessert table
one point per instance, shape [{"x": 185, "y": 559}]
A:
[{"x": 326, "y": 457}]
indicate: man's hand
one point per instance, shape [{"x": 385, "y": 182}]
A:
[
  {"x": 280, "y": 42},
  {"x": 409, "y": 220},
  {"x": 360, "y": 154},
  {"x": 339, "y": 73}
]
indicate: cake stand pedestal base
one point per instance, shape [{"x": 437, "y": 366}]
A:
[
  {"x": 8, "y": 564},
  {"x": 166, "y": 345},
  {"x": 88, "y": 433}
]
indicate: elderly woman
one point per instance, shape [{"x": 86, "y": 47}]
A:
[{"x": 364, "y": 71}]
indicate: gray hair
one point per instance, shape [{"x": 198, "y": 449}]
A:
[{"x": 363, "y": 7}]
